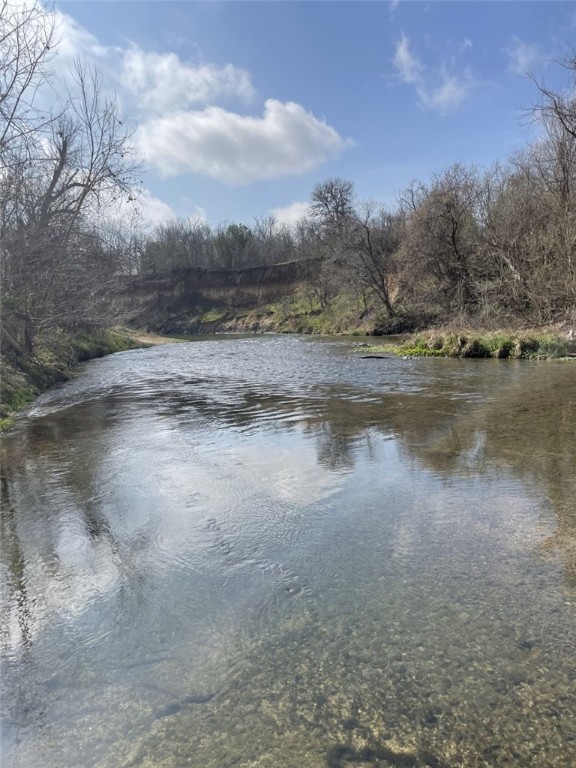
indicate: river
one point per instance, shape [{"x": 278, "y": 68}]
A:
[{"x": 273, "y": 553}]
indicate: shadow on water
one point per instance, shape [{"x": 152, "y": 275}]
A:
[{"x": 293, "y": 559}]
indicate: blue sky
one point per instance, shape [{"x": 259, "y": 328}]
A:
[{"x": 241, "y": 107}]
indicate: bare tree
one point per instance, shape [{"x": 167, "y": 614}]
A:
[
  {"x": 235, "y": 246},
  {"x": 88, "y": 159},
  {"x": 333, "y": 205},
  {"x": 54, "y": 267},
  {"x": 27, "y": 40},
  {"x": 124, "y": 238},
  {"x": 441, "y": 244},
  {"x": 557, "y": 106},
  {"x": 179, "y": 244},
  {"x": 374, "y": 243}
]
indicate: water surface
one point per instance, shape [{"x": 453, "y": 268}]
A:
[{"x": 269, "y": 552}]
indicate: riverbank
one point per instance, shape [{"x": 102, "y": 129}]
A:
[
  {"x": 298, "y": 312},
  {"x": 347, "y": 315},
  {"x": 24, "y": 377}
]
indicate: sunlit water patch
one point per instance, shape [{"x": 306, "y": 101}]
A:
[{"x": 270, "y": 552}]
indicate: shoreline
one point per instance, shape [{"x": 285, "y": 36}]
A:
[{"x": 514, "y": 344}]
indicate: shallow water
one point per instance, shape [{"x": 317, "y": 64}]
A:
[{"x": 271, "y": 552}]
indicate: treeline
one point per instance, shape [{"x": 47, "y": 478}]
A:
[
  {"x": 194, "y": 243},
  {"x": 485, "y": 246}
]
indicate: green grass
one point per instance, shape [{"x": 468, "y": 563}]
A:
[
  {"x": 500, "y": 344},
  {"x": 302, "y": 313},
  {"x": 298, "y": 312},
  {"x": 212, "y": 315},
  {"x": 86, "y": 346}
]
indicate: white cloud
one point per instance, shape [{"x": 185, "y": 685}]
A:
[
  {"x": 286, "y": 140},
  {"x": 147, "y": 80},
  {"x": 291, "y": 214},
  {"x": 440, "y": 89},
  {"x": 523, "y": 56},
  {"x": 449, "y": 94},
  {"x": 181, "y": 125},
  {"x": 153, "y": 210},
  {"x": 410, "y": 69},
  {"x": 161, "y": 82},
  {"x": 198, "y": 213},
  {"x": 74, "y": 39},
  {"x": 148, "y": 210},
  {"x": 145, "y": 207}
]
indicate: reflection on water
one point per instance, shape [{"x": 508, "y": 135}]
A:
[{"x": 269, "y": 552}]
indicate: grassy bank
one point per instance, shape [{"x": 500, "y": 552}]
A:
[
  {"x": 22, "y": 377},
  {"x": 295, "y": 313},
  {"x": 300, "y": 312},
  {"x": 519, "y": 345}
]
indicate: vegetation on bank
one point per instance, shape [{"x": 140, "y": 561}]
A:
[
  {"x": 525, "y": 345},
  {"x": 24, "y": 377},
  {"x": 295, "y": 312}
]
